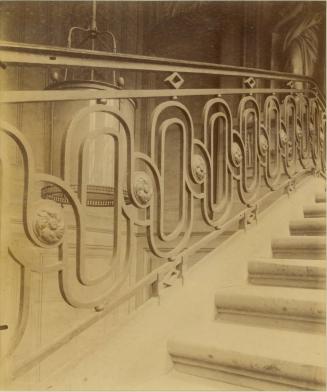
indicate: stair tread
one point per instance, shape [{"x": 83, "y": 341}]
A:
[
  {"x": 307, "y": 221},
  {"x": 315, "y": 206},
  {"x": 302, "y": 347},
  {"x": 304, "y": 267},
  {"x": 287, "y": 273},
  {"x": 270, "y": 300},
  {"x": 300, "y": 262},
  {"x": 320, "y": 197},
  {"x": 304, "y": 240},
  {"x": 280, "y": 353},
  {"x": 178, "y": 381},
  {"x": 308, "y": 226},
  {"x": 314, "y": 210},
  {"x": 282, "y": 293},
  {"x": 299, "y": 247},
  {"x": 293, "y": 261}
]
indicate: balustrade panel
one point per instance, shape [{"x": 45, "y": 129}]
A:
[{"x": 114, "y": 221}]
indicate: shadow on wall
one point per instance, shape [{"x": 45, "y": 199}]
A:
[
  {"x": 242, "y": 33},
  {"x": 299, "y": 40}
]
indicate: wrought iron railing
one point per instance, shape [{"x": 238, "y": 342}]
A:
[{"x": 248, "y": 143}]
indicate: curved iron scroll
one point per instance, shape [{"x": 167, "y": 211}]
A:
[{"x": 282, "y": 139}]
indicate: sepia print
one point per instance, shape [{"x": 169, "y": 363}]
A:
[{"x": 162, "y": 195}]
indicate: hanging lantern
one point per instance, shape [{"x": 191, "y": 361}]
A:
[
  {"x": 99, "y": 171},
  {"x": 101, "y": 152}
]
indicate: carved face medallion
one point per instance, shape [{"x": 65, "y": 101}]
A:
[
  {"x": 283, "y": 136},
  {"x": 236, "y": 154},
  {"x": 143, "y": 189},
  {"x": 263, "y": 143},
  {"x": 199, "y": 168},
  {"x": 299, "y": 132},
  {"x": 48, "y": 222}
]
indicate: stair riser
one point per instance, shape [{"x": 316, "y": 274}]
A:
[
  {"x": 320, "y": 197},
  {"x": 241, "y": 377},
  {"x": 273, "y": 321},
  {"x": 284, "y": 282},
  {"x": 288, "y": 273},
  {"x": 299, "y": 248},
  {"x": 308, "y": 227},
  {"x": 315, "y": 211},
  {"x": 298, "y": 253},
  {"x": 315, "y": 254}
]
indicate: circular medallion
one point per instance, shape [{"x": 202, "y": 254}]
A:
[
  {"x": 283, "y": 136},
  {"x": 236, "y": 154},
  {"x": 48, "y": 222},
  {"x": 142, "y": 188},
  {"x": 263, "y": 143},
  {"x": 299, "y": 132},
  {"x": 199, "y": 169}
]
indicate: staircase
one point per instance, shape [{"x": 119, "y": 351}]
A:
[{"x": 268, "y": 334}]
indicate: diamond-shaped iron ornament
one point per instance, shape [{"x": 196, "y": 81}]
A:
[
  {"x": 249, "y": 82},
  {"x": 290, "y": 84},
  {"x": 174, "y": 80}
]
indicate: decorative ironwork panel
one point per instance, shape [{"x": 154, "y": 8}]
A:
[{"x": 271, "y": 137}]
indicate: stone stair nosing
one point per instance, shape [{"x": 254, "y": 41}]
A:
[
  {"x": 308, "y": 226},
  {"x": 287, "y": 273},
  {"x": 251, "y": 356},
  {"x": 317, "y": 210},
  {"x": 278, "y": 307},
  {"x": 299, "y": 247},
  {"x": 320, "y": 197}
]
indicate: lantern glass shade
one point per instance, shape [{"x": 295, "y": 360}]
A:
[{"x": 97, "y": 138}]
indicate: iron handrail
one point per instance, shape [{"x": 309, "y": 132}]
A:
[{"x": 80, "y": 57}]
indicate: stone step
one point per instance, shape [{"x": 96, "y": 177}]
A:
[
  {"x": 180, "y": 381},
  {"x": 299, "y": 247},
  {"x": 255, "y": 357},
  {"x": 280, "y": 307},
  {"x": 314, "y": 211},
  {"x": 320, "y": 197},
  {"x": 287, "y": 273},
  {"x": 308, "y": 226}
]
